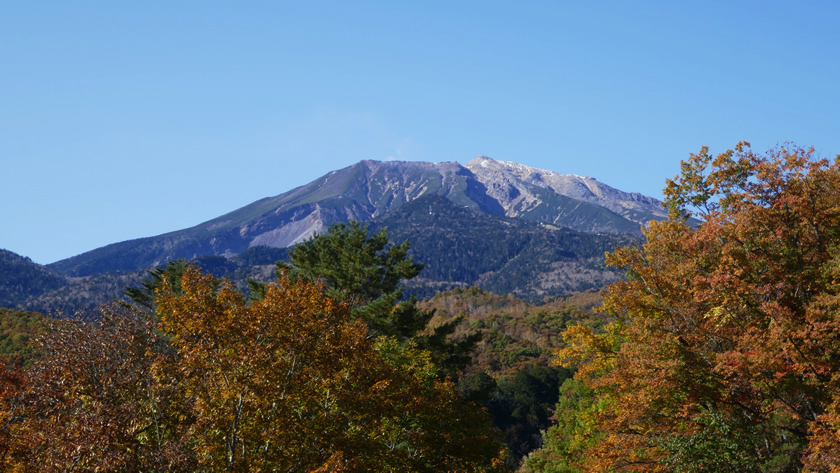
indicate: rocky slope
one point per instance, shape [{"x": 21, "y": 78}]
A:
[
  {"x": 518, "y": 188},
  {"x": 369, "y": 189}
]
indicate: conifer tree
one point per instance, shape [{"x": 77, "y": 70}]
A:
[
  {"x": 366, "y": 271},
  {"x": 171, "y": 273}
]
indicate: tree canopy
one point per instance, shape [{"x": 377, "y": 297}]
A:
[
  {"x": 290, "y": 382},
  {"x": 725, "y": 350}
]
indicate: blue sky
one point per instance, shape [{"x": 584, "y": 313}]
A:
[{"x": 121, "y": 120}]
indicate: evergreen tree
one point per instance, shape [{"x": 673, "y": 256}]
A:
[
  {"x": 365, "y": 271},
  {"x": 145, "y": 295}
]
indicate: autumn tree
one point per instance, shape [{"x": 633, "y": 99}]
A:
[
  {"x": 725, "y": 352},
  {"x": 293, "y": 382},
  {"x": 289, "y": 383},
  {"x": 101, "y": 397},
  {"x": 12, "y": 404}
]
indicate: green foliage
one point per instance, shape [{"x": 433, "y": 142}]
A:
[
  {"x": 521, "y": 406},
  {"x": 363, "y": 270},
  {"x": 366, "y": 272},
  {"x": 17, "y": 332},
  {"x": 571, "y": 433},
  {"x": 718, "y": 445},
  {"x": 154, "y": 282},
  {"x": 512, "y": 373},
  {"x": 357, "y": 267}
]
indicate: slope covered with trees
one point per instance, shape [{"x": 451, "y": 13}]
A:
[
  {"x": 21, "y": 278},
  {"x": 17, "y": 332},
  {"x": 462, "y": 247},
  {"x": 511, "y": 372}
]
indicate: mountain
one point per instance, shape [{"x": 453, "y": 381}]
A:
[
  {"x": 369, "y": 189},
  {"x": 21, "y": 278},
  {"x": 463, "y": 247},
  {"x": 531, "y": 193},
  {"x": 460, "y": 246}
]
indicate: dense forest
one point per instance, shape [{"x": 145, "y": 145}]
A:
[{"x": 719, "y": 352}]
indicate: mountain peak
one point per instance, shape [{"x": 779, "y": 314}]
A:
[
  {"x": 487, "y": 162},
  {"x": 369, "y": 189},
  {"x": 520, "y": 182}
]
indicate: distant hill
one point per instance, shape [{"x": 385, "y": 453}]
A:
[
  {"x": 21, "y": 279},
  {"x": 369, "y": 189},
  {"x": 81, "y": 293}
]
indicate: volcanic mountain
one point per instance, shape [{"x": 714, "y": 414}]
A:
[{"x": 369, "y": 189}]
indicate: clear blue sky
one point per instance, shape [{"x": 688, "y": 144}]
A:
[{"x": 121, "y": 120}]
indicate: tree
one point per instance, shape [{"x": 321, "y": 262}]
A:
[
  {"x": 101, "y": 397},
  {"x": 565, "y": 442},
  {"x": 288, "y": 383},
  {"x": 362, "y": 270},
  {"x": 146, "y": 294},
  {"x": 366, "y": 272},
  {"x": 12, "y": 403},
  {"x": 725, "y": 353},
  {"x": 293, "y": 382}
]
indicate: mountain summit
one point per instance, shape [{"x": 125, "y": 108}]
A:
[
  {"x": 516, "y": 179},
  {"x": 367, "y": 190}
]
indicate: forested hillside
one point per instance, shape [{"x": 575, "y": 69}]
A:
[
  {"x": 18, "y": 330},
  {"x": 462, "y": 247},
  {"x": 511, "y": 372},
  {"x": 21, "y": 278}
]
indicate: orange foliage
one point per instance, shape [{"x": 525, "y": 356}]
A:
[
  {"x": 291, "y": 381},
  {"x": 726, "y": 354},
  {"x": 286, "y": 383}
]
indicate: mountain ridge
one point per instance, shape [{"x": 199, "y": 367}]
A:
[{"x": 368, "y": 189}]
